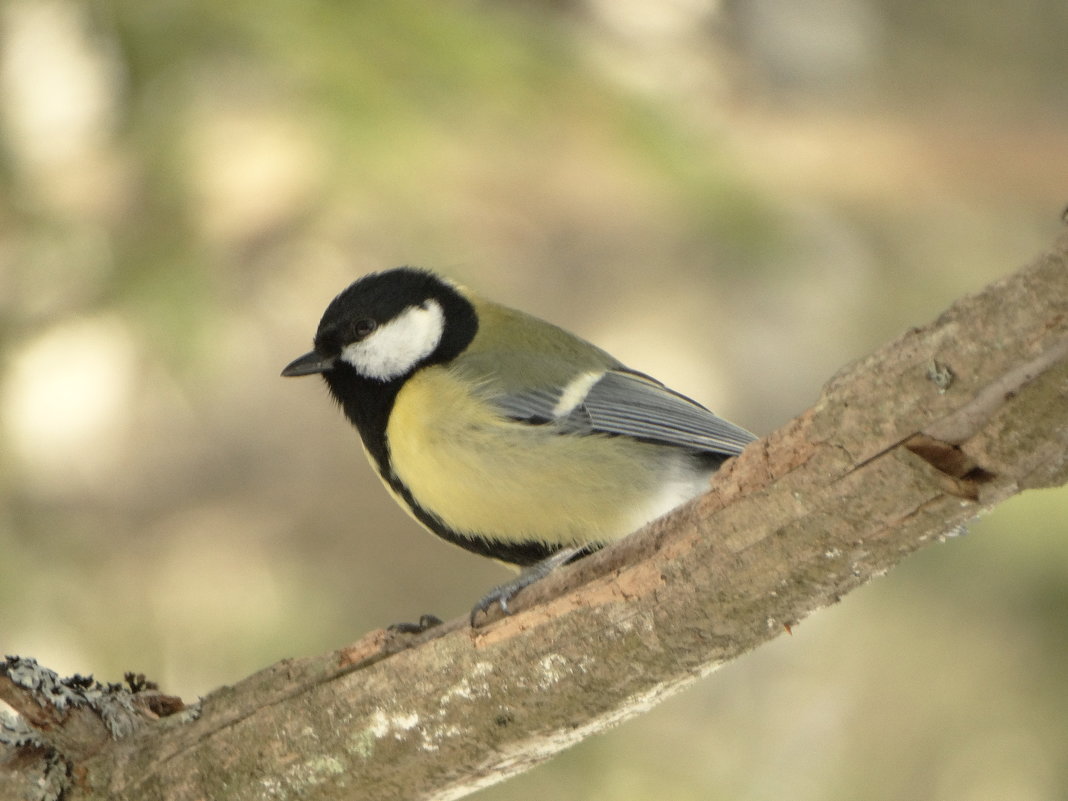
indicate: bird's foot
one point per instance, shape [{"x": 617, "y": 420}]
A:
[
  {"x": 425, "y": 622},
  {"x": 505, "y": 592}
]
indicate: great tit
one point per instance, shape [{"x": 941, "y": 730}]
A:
[{"x": 502, "y": 433}]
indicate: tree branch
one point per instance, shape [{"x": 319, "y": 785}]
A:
[{"x": 903, "y": 447}]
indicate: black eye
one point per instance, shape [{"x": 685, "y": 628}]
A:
[{"x": 361, "y": 329}]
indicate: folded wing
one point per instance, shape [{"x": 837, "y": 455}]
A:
[{"x": 628, "y": 404}]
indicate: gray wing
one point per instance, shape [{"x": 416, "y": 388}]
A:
[{"x": 631, "y": 404}]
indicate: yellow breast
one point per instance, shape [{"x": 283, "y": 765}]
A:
[{"x": 485, "y": 475}]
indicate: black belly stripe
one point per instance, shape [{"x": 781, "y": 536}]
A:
[{"x": 368, "y": 404}]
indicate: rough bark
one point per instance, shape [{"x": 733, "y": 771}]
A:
[{"x": 902, "y": 447}]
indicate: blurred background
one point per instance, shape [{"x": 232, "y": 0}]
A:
[{"x": 737, "y": 197}]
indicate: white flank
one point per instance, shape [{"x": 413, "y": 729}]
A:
[
  {"x": 684, "y": 485},
  {"x": 396, "y": 347}
]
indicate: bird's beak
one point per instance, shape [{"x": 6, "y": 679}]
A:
[{"x": 309, "y": 364}]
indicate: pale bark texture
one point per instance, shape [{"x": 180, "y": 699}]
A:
[{"x": 903, "y": 446}]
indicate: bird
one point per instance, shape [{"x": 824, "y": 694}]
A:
[{"x": 503, "y": 433}]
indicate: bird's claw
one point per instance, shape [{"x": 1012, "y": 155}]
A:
[
  {"x": 499, "y": 596},
  {"x": 425, "y": 622},
  {"x": 503, "y": 594}
]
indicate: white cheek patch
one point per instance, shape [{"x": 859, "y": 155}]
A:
[{"x": 396, "y": 347}]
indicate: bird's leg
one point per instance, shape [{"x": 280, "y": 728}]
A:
[{"x": 504, "y": 593}]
